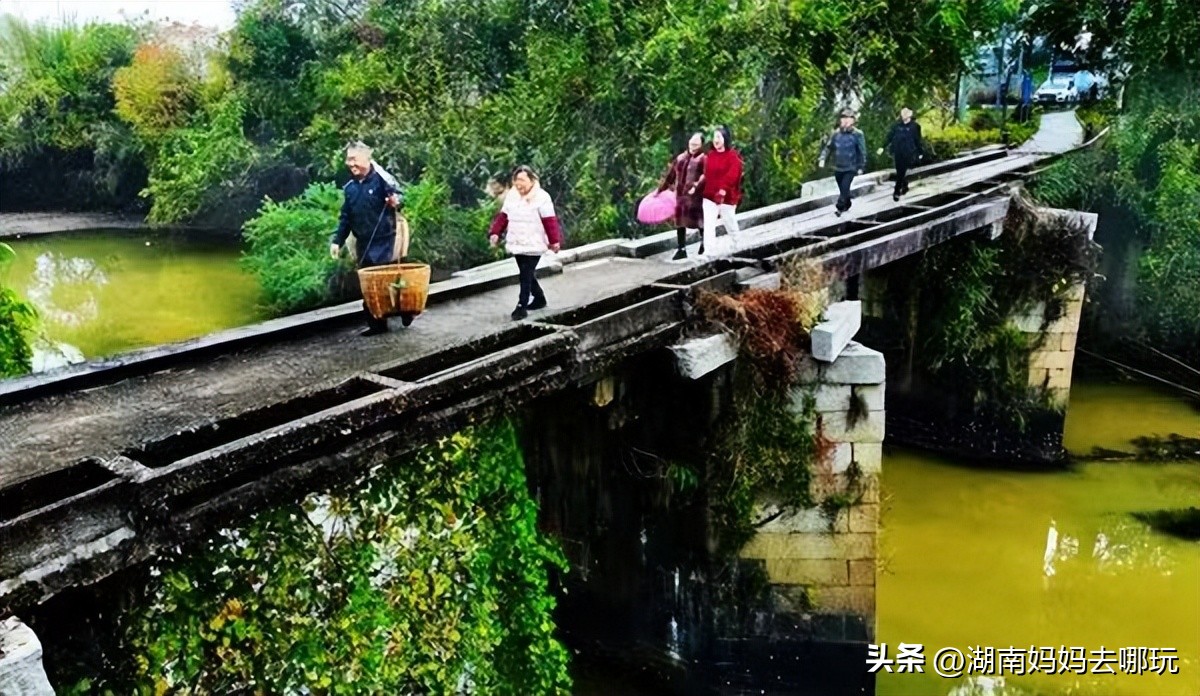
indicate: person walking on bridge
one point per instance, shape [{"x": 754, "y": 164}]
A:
[
  {"x": 904, "y": 143},
  {"x": 529, "y": 227},
  {"x": 849, "y": 150},
  {"x": 722, "y": 188},
  {"x": 685, "y": 174},
  {"x": 369, "y": 212}
]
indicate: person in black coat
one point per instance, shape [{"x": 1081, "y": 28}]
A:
[
  {"x": 369, "y": 211},
  {"x": 904, "y": 142}
]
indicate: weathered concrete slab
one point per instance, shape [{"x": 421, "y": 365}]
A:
[
  {"x": 21, "y": 671},
  {"x": 857, "y": 364},
  {"x": 697, "y": 357},
  {"x": 842, "y": 322}
]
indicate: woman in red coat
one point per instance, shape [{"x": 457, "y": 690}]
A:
[{"x": 722, "y": 188}]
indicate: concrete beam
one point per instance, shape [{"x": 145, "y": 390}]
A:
[
  {"x": 21, "y": 671},
  {"x": 700, "y": 356},
  {"x": 842, "y": 321},
  {"x": 857, "y": 364}
]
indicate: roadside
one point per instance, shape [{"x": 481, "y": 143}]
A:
[{"x": 18, "y": 225}]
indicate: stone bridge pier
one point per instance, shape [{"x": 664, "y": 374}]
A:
[{"x": 821, "y": 560}]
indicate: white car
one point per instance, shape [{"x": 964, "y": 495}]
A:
[{"x": 1059, "y": 92}]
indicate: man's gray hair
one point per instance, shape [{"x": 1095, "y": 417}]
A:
[{"x": 358, "y": 146}]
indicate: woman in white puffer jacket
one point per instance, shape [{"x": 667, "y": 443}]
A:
[{"x": 530, "y": 228}]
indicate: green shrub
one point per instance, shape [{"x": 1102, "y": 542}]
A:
[
  {"x": 17, "y": 321},
  {"x": 447, "y": 236},
  {"x": 196, "y": 163},
  {"x": 429, "y": 577},
  {"x": 288, "y": 248}
]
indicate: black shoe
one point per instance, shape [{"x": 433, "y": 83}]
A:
[
  {"x": 838, "y": 212},
  {"x": 519, "y": 313},
  {"x": 896, "y": 197},
  {"x": 375, "y": 330},
  {"x": 700, "y": 251},
  {"x": 406, "y": 319},
  {"x": 538, "y": 303},
  {"x": 680, "y": 254}
]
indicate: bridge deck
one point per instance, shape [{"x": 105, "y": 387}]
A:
[{"x": 52, "y": 432}]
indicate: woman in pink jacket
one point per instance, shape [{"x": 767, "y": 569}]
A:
[{"x": 530, "y": 228}]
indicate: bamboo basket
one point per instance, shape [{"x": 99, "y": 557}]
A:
[{"x": 398, "y": 288}]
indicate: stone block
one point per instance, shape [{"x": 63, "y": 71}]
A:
[
  {"x": 810, "y": 546},
  {"x": 830, "y": 337},
  {"x": 798, "y": 571},
  {"x": 1051, "y": 359},
  {"x": 857, "y": 364},
  {"x": 805, "y": 521},
  {"x": 872, "y": 396},
  {"x": 865, "y": 487},
  {"x": 1061, "y": 396},
  {"x": 1068, "y": 342},
  {"x": 1068, "y": 323},
  {"x": 21, "y": 670},
  {"x": 1059, "y": 379},
  {"x": 869, "y": 456},
  {"x": 839, "y": 458},
  {"x": 700, "y": 356},
  {"x": 864, "y": 518},
  {"x": 1038, "y": 376},
  {"x": 1076, "y": 293},
  {"x": 862, "y": 572},
  {"x": 868, "y": 428},
  {"x": 856, "y": 599},
  {"x": 829, "y": 397}
]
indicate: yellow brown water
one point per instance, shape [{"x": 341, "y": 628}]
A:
[
  {"x": 962, "y": 554},
  {"x": 106, "y": 292}
]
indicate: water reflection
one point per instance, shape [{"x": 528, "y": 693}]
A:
[
  {"x": 102, "y": 292},
  {"x": 979, "y": 557},
  {"x": 65, "y": 288}
]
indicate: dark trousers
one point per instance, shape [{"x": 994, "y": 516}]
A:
[
  {"x": 843, "y": 182},
  {"x": 527, "y": 265},
  {"x": 902, "y": 165},
  {"x": 681, "y": 237}
]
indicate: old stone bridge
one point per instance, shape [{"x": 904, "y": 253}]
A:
[{"x": 103, "y": 464}]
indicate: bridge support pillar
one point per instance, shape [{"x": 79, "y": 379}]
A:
[
  {"x": 821, "y": 560},
  {"x": 21, "y": 671},
  {"x": 1051, "y": 362}
]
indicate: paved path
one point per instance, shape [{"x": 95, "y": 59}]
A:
[
  {"x": 50, "y": 433},
  {"x": 1059, "y": 131}
]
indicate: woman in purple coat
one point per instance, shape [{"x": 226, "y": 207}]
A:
[{"x": 686, "y": 174}]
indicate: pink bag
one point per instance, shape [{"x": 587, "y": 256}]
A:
[{"x": 657, "y": 208}]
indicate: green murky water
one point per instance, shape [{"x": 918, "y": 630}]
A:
[
  {"x": 962, "y": 554},
  {"x": 103, "y": 292}
]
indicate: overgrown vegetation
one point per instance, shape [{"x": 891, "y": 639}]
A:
[
  {"x": 286, "y": 248},
  {"x": 957, "y": 301},
  {"x": 595, "y": 96},
  {"x": 18, "y": 319},
  {"x": 768, "y": 445},
  {"x": 983, "y": 127},
  {"x": 429, "y": 577},
  {"x": 1145, "y": 180}
]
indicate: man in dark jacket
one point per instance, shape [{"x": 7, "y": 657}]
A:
[
  {"x": 904, "y": 143},
  {"x": 849, "y": 150},
  {"x": 369, "y": 211}
]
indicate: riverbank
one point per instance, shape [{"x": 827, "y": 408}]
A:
[{"x": 18, "y": 225}]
